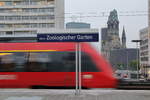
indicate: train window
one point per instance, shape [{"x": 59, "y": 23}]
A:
[
  {"x": 60, "y": 62},
  {"x": 20, "y": 60},
  {"x": 44, "y": 62},
  {"x": 87, "y": 64},
  {"x": 12, "y": 62},
  {"x": 37, "y": 62},
  {"x": 6, "y": 62}
]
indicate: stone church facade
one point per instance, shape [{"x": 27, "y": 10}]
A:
[{"x": 110, "y": 39}]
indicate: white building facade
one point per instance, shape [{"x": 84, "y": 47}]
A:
[
  {"x": 145, "y": 52},
  {"x": 145, "y": 47},
  {"x": 18, "y": 17}
]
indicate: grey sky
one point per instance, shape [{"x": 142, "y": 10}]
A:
[{"x": 94, "y": 8}]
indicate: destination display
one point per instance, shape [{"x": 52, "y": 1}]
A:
[{"x": 91, "y": 37}]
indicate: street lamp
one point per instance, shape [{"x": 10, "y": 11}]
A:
[{"x": 137, "y": 41}]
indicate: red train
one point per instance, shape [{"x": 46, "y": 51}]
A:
[{"x": 25, "y": 65}]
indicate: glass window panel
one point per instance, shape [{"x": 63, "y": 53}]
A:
[
  {"x": 1, "y": 17},
  {"x": 8, "y": 3},
  {"x": 25, "y": 17},
  {"x": 44, "y": 62}
]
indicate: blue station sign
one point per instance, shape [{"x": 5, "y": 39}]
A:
[{"x": 67, "y": 37}]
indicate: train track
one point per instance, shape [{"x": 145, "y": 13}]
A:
[{"x": 144, "y": 85}]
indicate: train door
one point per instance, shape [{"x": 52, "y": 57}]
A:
[
  {"x": 10, "y": 63},
  {"x": 69, "y": 68},
  {"x": 88, "y": 68},
  {"x": 52, "y": 66}
]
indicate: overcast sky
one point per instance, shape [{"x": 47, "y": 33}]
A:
[{"x": 95, "y": 8}]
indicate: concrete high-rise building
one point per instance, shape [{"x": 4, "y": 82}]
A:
[{"x": 18, "y": 17}]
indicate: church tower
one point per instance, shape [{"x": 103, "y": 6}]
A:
[
  {"x": 110, "y": 35},
  {"x": 113, "y": 30},
  {"x": 123, "y": 38}
]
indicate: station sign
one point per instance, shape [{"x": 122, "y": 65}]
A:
[{"x": 67, "y": 37}]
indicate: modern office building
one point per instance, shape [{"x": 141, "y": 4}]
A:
[
  {"x": 21, "y": 17},
  {"x": 77, "y": 25}
]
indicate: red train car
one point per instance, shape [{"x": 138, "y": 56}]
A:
[{"x": 24, "y": 65}]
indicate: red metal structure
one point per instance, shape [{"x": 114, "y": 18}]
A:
[{"x": 24, "y": 65}]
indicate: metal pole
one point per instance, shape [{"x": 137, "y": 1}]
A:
[
  {"x": 80, "y": 76},
  {"x": 127, "y": 64},
  {"x": 137, "y": 57},
  {"x": 77, "y": 49},
  {"x": 137, "y": 62},
  {"x": 78, "y": 69}
]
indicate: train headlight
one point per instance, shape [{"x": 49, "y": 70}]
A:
[
  {"x": 149, "y": 72},
  {"x": 88, "y": 76}
]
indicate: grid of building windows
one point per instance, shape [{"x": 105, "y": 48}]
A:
[
  {"x": 38, "y": 17},
  {"x": 144, "y": 46},
  {"x": 28, "y": 25},
  {"x": 17, "y": 14},
  {"x": 26, "y": 2},
  {"x": 27, "y": 10}
]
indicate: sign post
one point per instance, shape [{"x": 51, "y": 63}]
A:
[
  {"x": 78, "y": 69},
  {"x": 72, "y": 37}
]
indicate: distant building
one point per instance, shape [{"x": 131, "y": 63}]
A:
[
  {"x": 113, "y": 48},
  {"x": 113, "y": 31},
  {"x": 122, "y": 58},
  {"x": 104, "y": 39},
  {"x": 145, "y": 48},
  {"x": 77, "y": 25},
  {"x": 145, "y": 51},
  {"x": 110, "y": 36}
]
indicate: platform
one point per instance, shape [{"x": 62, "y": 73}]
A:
[{"x": 94, "y": 94}]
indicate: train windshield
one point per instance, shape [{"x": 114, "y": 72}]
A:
[{"x": 44, "y": 62}]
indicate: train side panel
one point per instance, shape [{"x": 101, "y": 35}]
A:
[{"x": 97, "y": 75}]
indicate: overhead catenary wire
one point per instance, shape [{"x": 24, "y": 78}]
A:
[
  {"x": 80, "y": 16},
  {"x": 108, "y": 15},
  {"x": 105, "y": 14}
]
